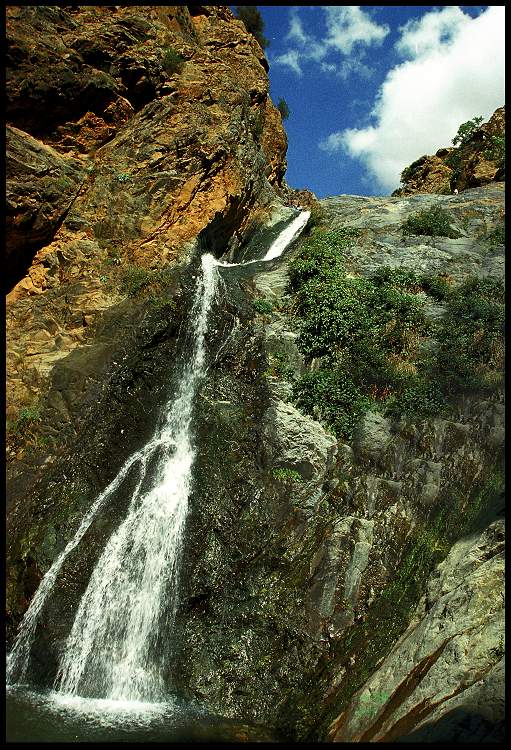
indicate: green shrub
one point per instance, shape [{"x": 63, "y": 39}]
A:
[
  {"x": 331, "y": 396},
  {"x": 134, "y": 279},
  {"x": 26, "y": 418},
  {"x": 123, "y": 177},
  {"x": 317, "y": 216},
  {"x": 436, "y": 286},
  {"x": 471, "y": 338},
  {"x": 279, "y": 367},
  {"x": 262, "y": 306},
  {"x": 400, "y": 277},
  {"x": 498, "y": 235},
  {"x": 433, "y": 222},
  {"x": 419, "y": 398},
  {"x": 466, "y": 131},
  {"x": 253, "y": 22},
  {"x": 407, "y": 172},
  {"x": 368, "y": 334},
  {"x": 283, "y": 108},
  {"x": 322, "y": 252},
  {"x": 172, "y": 61},
  {"x": 287, "y": 475},
  {"x": 496, "y": 150},
  {"x": 396, "y": 315}
]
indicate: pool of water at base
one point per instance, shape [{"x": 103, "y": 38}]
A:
[{"x": 52, "y": 717}]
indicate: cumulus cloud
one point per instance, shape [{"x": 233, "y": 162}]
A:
[
  {"x": 420, "y": 37},
  {"x": 348, "y": 28},
  {"x": 454, "y": 72},
  {"x": 349, "y": 25}
]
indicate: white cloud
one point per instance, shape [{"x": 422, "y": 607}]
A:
[
  {"x": 423, "y": 36},
  {"x": 347, "y": 27},
  {"x": 355, "y": 141},
  {"x": 296, "y": 32},
  {"x": 455, "y": 73},
  {"x": 354, "y": 66},
  {"x": 291, "y": 60}
]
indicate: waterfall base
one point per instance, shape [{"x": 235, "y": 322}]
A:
[{"x": 54, "y": 717}]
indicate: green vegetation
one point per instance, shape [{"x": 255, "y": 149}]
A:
[
  {"x": 287, "y": 475},
  {"x": 135, "y": 278},
  {"x": 123, "y": 177},
  {"x": 317, "y": 216},
  {"x": 466, "y": 131},
  {"x": 453, "y": 160},
  {"x": 471, "y": 349},
  {"x": 22, "y": 433},
  {"x": 433, "y": 222},
  {"x": 279, "y": 367},
  {"x": 283, "y": 108},
  {"x": 407, "y": 172},
  {"x": 25, "y": 420},
  {"x": 374, "y": 344},
  {"x": 496, "y": 151},
  {"x": 332, "y": 395},
  {"x": 498, "y": 235},
  {"x": 253, "y": 22},
  {"x": 114, "y": 255},
  {"x": 172, "y": 61},
  {"x": 262, "y": 306}
]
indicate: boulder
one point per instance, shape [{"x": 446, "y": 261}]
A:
[
  {"x": 372, "y": 434},
  {"x": 295, "y": 441}
]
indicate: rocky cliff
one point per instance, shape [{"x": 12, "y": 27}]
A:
[
  {"x": 130, "y": 130},
  {"x": 473, "y": 163},
  {"x": 343, "y": 556}
]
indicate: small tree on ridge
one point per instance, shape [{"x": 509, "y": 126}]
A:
[{"x": 254, "y": 23}]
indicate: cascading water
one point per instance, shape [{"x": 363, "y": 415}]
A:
[
  {"x": 288, "y": 234},
  {"x": 112, "y": 645},
  {"x": 112, "y": 650}
]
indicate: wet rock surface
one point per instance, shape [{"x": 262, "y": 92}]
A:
[{"x": 290, "y": 607}]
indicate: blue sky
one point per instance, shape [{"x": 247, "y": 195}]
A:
[{"x": 372, "y": 88}]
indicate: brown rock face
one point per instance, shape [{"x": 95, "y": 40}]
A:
[
  {"x": 472, "y": 164},
  {"x": 131, "y": 129},
  {"x": 42, "y": 185}
]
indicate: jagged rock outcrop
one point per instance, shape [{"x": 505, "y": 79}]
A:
[
  {"x": 450, "y": 659},
  {"x": 301, "y": 588},
  {"x": 294, "y": 441},
  {"x": 161, "y": 117},
  {"x": 41, "y": 187},
  {"x": 472, "y": 164}
]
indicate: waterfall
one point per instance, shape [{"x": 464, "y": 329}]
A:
[
  {"x": 111, "y": 647},
  {"x": 113, "y": 650},
  {"x": 288, "y": 234}
]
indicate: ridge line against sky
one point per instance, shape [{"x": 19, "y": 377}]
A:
[{"x": 372, "y": 88}]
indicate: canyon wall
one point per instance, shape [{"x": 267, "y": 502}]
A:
[{"x": 333, "y": 588}]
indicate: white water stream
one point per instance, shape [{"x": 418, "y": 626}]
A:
[
  {"x": 112, "y": 651},
  {"x": 284, "y": 239}
]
